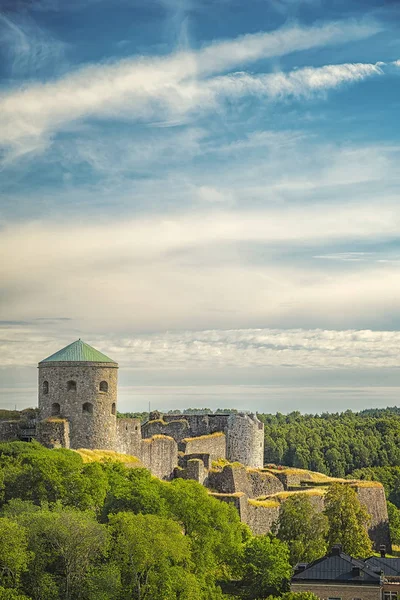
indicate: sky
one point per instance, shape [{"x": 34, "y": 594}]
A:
[{"x": 208, "y": 192}]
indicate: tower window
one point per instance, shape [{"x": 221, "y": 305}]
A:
[
  {"x": 113, "y": 408},
  {"x": 71, "y": 386},
  {"x": 45, "y": 387},
  {"x": 87, "y": 408},
  {"x": 55, "y": 409},
  {"x": 103, "y": 386}
]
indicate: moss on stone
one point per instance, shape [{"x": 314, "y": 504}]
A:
[
  {"x": 217, "y": 434},
  {"x": 268, "y": 503},
  {"x": 107, "y": 456},
  {"x": 158, "y": 436}
]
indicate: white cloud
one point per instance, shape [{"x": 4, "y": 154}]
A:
[
  {"x": 200, "y": 270},
  {"x": 157, "y": 88},
  {"x": 301, "y": 82},
  {"x": 215, "y": 349}
]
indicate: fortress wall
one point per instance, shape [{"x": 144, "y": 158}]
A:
[
  {"x": 177, "y": 429},
  {"x": 260, "y": 518},
  {"x": 205, "y": 458},
  {"x": 374, "y": 500},
  {"x": 213, "y": 444},
  {"x": 199, "y": 425},
  {"x": 237, "y": 478},
  {"x": 222, "y": 482},
  {"x": 194, "y": 469},
  {"x": 238, "y": 500},
  {"x": 9, "y": 431},
  {"x": 129, "y": 437},
  {"x": 263, "y": 484},
  {"x": 53, "y": 433},
  {"x": 159, "y": 454}
]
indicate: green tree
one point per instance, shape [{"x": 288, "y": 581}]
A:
[
  {"x": 133, "y": 490},
  {"x": 303, "y": 528},
  {"x": 266, "y": 567},
  {"x": 152, "y": 553},
  {"x": 214, "y": 528},
  {"x": 66, "y": 543},
  {"x": 347, "y": 521},
  {"x": 7, "y": 594},
  {"x": 14, "y": 554},
  {"x": 394, "y": 523}
]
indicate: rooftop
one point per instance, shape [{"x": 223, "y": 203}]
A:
[
  {"x": 339, "y": 567},
  {"x": 78, "y": 351}
]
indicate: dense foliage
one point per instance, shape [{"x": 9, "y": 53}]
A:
[
  {"x": 102, "y": 531},
  {"x": 347, "y": 521},
  {"x": 303, "y": 528},
  {"x": 335, "y": 444}
]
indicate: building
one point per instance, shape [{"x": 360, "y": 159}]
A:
[
  {"x": 78, "y": 396},
  {"x": 338, "y": 576}
]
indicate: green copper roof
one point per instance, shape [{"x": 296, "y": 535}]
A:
[{"x": 78, "y": 352}]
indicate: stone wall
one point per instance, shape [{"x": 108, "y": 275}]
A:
[
  {"x": 213, "y": 444},
  {"x": 245, "y": 433},
  {"x": 374, "y": 500},
  {"x": 177, "y": 429},
  {"x": 9, "y": 431},
  {"x": 194, "y": 469},
  {"x": 238, "y": 500},
  {"x": 91, "y": 412},
  {"x": 160, "y": 455},
  {"x": 53, "y": 433},
  {"x": 237, "y": 478},
  {"x": 259, "y": 517},
  {"x": 199, "y": 425},
  {"x": 344, "y": 592},
  {"x": 129, "y": 436}
]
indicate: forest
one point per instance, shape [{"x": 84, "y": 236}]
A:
[
  {"x": 333, "y": 443},
  {"x": 75, "y": 530}
]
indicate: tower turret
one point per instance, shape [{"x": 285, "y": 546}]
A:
[{"x": 78, "y": 383}]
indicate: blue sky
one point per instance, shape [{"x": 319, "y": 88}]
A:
[{"x": 207, "y": 191}]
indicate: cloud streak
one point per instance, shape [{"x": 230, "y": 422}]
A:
[
  {"x": 169, "y": 87},
  {"x": 218, "y": 349}
]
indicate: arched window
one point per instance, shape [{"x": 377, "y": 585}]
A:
[
  {"x": 87, "y": 408},
  {"x": 55, "y": 409},
  {"x": 113, "y": 409},
  {"x": 45, "y": 387},
  {"x": 71, "y": 386},
  {"x": 103, "y": 386}
]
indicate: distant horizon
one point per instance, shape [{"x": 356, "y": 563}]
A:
[{"x": 160, "y": 396}]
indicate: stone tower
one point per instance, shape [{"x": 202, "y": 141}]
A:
[
  {"x": 79, "y": 384},
  {"x": 245, "y": 440}
]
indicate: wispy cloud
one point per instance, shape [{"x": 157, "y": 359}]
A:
[
  {"x": 216, "y": 349},
  {"x": 27, "y": 48},
  {"x": 302, "y": 82},
  {"x": 159, "y": 88}
]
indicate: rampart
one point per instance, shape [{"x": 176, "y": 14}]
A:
[
  {"x": 244, "y": 433},
  {"x": 213, "y": 444},
  {"x": 160, "y": 455},
  {"x": 129, "y": 436},
  {"x": 54, "y": 433},
  {"x": 237, "y": 478},
  {"x": 372, "y": 496},
  {"x": 9, "y": 431}
]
